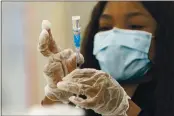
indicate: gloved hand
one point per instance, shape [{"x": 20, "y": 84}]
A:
[
  {"x": 60, "y": 63},
  {"x": 104, "y": 94}
]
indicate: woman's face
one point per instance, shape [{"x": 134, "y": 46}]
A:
[{"x": 128, "y": 15}]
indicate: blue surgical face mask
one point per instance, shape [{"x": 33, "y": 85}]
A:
[{"x": 123, "y": 53}]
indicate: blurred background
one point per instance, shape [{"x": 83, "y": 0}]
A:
[{"x": 22, "y": 65}]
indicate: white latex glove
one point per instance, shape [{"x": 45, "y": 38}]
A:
[
  {"x": 104, "y": 94},
  {"x": 60, "y": 63}
]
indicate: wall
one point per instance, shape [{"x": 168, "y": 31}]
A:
[{"x": 13, "y": 74}]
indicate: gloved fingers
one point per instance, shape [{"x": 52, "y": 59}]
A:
[
  {"x": 54, "y": 72},
  {"x": 46, "y": 25},
  {"x": 85, "y": 71},
  {"x": 76, "y": 100},
  {"x": 99, "y": 76},
  {"x": 61, "y": 56},
  {"x": 47, "y": 45},
  {"x": 97, "y": 87},
  {"x": 65, "y": 54},
  {"x": 52, "y": 96},
  {"x": 80, "y": 73},
  {"x": 93, "y": 97},
  {"x": 69, "y": 57},
  {"x": 73, "y": 60},
  {"x": 86, "y": 76},
  {"x": 57, "y": 67},
  {"x": 75, "y": 88},
  {"x": 43, "y": 43},
  {"x": 56, "y": 94},
  {"x": 50, "y": 93},
  {"x": 78, "y": 88},
  {"x": 53, "y": 47},
  {"x": 83, "y": 103}
]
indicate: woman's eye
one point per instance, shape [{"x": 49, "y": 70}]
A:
[
  {"x": 136, "y": 27},
  {"x": 105, "y": 28}
]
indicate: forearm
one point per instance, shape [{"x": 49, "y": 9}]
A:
[{"x": 133, "y": 110}]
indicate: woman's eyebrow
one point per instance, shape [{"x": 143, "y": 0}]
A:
[
  {"x": 133, "y": 14},
  {"x": 106, "y": 17}
]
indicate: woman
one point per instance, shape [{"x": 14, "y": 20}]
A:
[{"x": 132, "y": 42}]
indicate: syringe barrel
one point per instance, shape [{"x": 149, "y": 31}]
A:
[
  {"x": 76, "y": 30},
  {"x": 77, "y": 39}
]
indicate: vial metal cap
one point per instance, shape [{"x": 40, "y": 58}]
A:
[{"x": 76, "y": 22}]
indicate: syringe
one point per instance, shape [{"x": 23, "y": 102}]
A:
[{"x": 76, "y": 32}]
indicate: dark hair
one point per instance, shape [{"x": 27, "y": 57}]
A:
[{"x": 163, "y": 13}]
